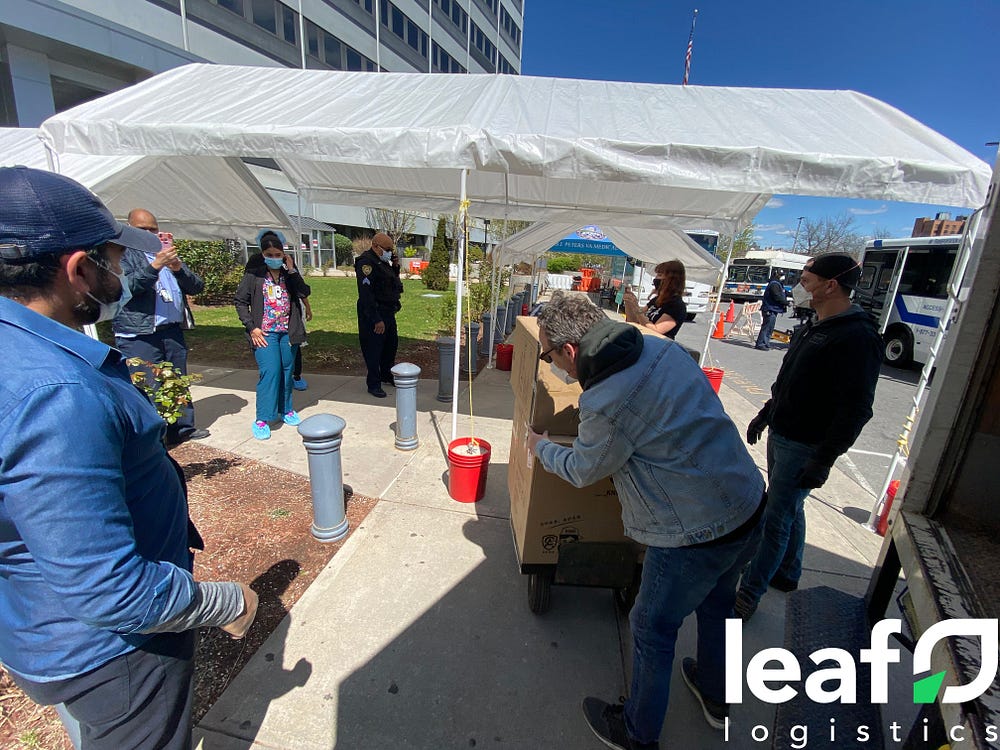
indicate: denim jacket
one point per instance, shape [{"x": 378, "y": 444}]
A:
[
  {"x": 138, "y": 316},
  {"x": 93, "y": 519},
  {"x": 680, "y": 467}
]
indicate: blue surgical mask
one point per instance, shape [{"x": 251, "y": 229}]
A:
[
  {"x": 387, "y": 255},
  {"x": 274, "y": 263},
  {"x": 111, "y": 308}
]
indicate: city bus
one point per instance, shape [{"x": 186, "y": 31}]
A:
[
  {"x": 748, "y": 276},
  {"x": 912, "y": 272}
]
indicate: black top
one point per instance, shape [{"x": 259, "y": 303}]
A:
[
  {"x": 379, "y": 287},
  {"x": 673, "y": 307},
  {"x": 775, "y": 300},
  {"x": 249, "y": 301},
  {"x": 826, "y": 385}
]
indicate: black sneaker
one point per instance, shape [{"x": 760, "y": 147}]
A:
[
  {"x": 783, "y": 584},
  {"x": 745, "y": 605},
  {"x": 715, "y": 713},
  {"x": 607, "y": 721},
  {"x": 377, "y": 392}
]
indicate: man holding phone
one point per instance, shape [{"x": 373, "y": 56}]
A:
[{"x": 151, "y": 326}]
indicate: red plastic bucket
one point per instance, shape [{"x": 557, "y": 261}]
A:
[
  {"x": 505, "y": 356},
  {"x": 524, "y": 309},
  {"x": 467, "y": 474},
  {"x": 714, "y": 375}
]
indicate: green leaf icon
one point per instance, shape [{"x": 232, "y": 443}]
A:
[{"x": 926, "y": 690}]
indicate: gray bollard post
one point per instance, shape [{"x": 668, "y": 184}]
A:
[
  {"x": 322, "y": 435},
  {"x": 405, "y": 376},
  {"x": 512, "y": 311},
  {"x": 446, "y": 367},
  {"x": 484, "y": 346},
  {"x": 501, "y": 313},
  {"x": 471, "y": 334}
]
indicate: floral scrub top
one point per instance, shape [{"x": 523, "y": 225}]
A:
[{"x": 276, "y": 306}]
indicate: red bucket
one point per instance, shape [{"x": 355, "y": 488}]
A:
[
  {"x": 467, "y": 474},
  {"x": 524, "y": 309},
  {"x": 505, "y": 356},
  {"x": 714, "y": 375}
]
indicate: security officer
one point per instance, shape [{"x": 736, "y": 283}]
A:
[{"x": 379, "y": 287}]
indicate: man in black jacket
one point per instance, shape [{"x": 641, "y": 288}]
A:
[
  {"x": 774, "y": 303},
  {"x": 379, "y": 288},
  {"x": 819, "y": 402},
  {"x": 151, "y": 326}
]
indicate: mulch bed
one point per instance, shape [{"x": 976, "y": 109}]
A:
[{"x": 255, "y": 521}]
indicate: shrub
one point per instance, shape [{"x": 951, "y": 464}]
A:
[
  {"x": 475, "y": 253},
  {"x": 343, "y": 249},
  {"x": 561, "y": 262},
  {"x": 219, "y": 266},
  {"x": 446, "y": 318},
  {"x": 169, "y": 391},
  {"x": 435, "y": 276}
]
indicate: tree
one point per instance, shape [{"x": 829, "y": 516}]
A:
[
  {"x": 396, "y": 224},
  {"x": 831, "y": 234},
  {"x": 435, "y": 276},
  {"x": 501, "y": 229},
  {"x": 738, "y": 246},
  {"x": 343, "y": 250}
]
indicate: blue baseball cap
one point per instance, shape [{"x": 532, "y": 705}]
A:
[{"x": 43, "y": 212}]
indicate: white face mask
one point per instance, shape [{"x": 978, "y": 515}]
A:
[
  {"x": 387, "y": 255},
  {"x": 801, "y": 296},
  {"x": 111, "y": 309}
]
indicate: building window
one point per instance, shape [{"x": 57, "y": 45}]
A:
[
  {"x": 456, "y": 13},
  {"x": 357, "y": 61},
  {"x": 289, "y": 20},
  {"x": 506, "y": 67},
  {"x": 482, "y": 43},
  {"x": 331, "y": 52},
  {"x": 444, "y": 62},
  {"x": 510, "y": 28},
  {"x": 365, "y": 4},
  {"x": 312, "y": 39},
  {"x": 236, "y": 6},
  {"x": 264, "y": 15}
]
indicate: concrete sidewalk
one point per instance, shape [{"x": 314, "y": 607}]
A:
[{"x": 418, "y": 633}]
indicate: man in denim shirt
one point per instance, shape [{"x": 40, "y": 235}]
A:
[
  {"x": 97, "y": 601},
  {"x": 689, "y": 491}
]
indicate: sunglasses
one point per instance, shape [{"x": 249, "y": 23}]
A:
[{"x": 546, "y": 356}]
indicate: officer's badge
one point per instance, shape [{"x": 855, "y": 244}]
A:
[{"x": 366, "y": 270}]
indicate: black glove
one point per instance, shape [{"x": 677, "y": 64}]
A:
[
  {"x": 756, "y": 427},
  {"x": 814, "y": 474}
]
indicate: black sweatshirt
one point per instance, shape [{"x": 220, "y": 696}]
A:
[{"x": 826, "y": 385}]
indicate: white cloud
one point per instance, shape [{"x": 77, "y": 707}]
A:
[
  {"x": 869, "y": 211},
  {"x": 786, "y": 232},
  {"x": 770, "y": 227},
  {"x": 774, "y": 203}
]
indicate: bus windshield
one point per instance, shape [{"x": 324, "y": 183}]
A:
[{"x": 709, "y": 241}]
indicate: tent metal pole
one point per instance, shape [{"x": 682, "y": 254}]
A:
[
  {"x": 723, "y": 273},
  {"x": 459, "y": 259},
  {"x": 302, "y": 35},
  {"x": 184, "y": 25}
]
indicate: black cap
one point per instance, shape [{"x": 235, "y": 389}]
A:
[
  {"x": 44, "y": 212},
  {"x": 841, "y": 268}
]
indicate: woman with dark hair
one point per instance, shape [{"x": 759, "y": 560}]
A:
[
  {"x": 267, "y": 303},
  {"x": 665, "y": 312}
]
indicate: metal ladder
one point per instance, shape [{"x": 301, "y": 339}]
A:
[{"x": 962, "y": 259}]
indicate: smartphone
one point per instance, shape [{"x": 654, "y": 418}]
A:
[{"x": 166, "y": 239}]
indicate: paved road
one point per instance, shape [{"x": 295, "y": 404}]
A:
[{"x": 751, "y": 372}]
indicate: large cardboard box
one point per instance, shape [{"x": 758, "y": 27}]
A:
[
  {"x": 546, "y": 512},
  {"x": 541, "y": 397}
]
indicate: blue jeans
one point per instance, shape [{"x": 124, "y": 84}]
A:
[
  {"x": 275, "y": 383},
  {"x": 675, "y": 583},
  {"x": 784, "y": 537},
  {"x": 766, "y": 328}
]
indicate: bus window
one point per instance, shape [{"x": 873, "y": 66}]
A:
[
  {"x": 758, "y": 274},
  {"x": 926, "y": 274},
  {"x": 884, "y": 279},
  {"x": 867, "y": 276},
  {"x": 737, "y": 273},
  {"x": 792, "y": 276}
]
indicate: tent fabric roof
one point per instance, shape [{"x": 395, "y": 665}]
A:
[
  {"x": 309, "y": 223},
  {"x": 193, "y": 197},
  {"x": 648, "y": 245},
  {"x": 620, "y": 154}
]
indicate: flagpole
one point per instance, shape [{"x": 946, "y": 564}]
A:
[{"x": 690, "y": 47}]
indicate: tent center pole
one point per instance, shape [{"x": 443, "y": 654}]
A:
[{"x": 459, "y": 260}]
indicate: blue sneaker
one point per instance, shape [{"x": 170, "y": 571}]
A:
[
  {"x": 300, "y": 384},
  {"x": 261, "y": 430},
  {"x": 292, "y": 418}
]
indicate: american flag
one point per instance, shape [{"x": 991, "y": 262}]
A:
[{"x": 687, "y": 55}]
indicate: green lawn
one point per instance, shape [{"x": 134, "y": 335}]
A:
[{"x": 218, "y": 336}]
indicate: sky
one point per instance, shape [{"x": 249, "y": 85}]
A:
[{"x": 933, "y": 60}]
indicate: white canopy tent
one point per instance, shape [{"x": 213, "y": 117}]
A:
[
  {"x": 193, "y": 197},
  {"x": 618, "y": 154},
  {"x": 647, "y": 245}
]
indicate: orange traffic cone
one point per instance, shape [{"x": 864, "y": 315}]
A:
[
  {"x": 720, "y": 329},
  {"x": 731, "y": 313}
]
